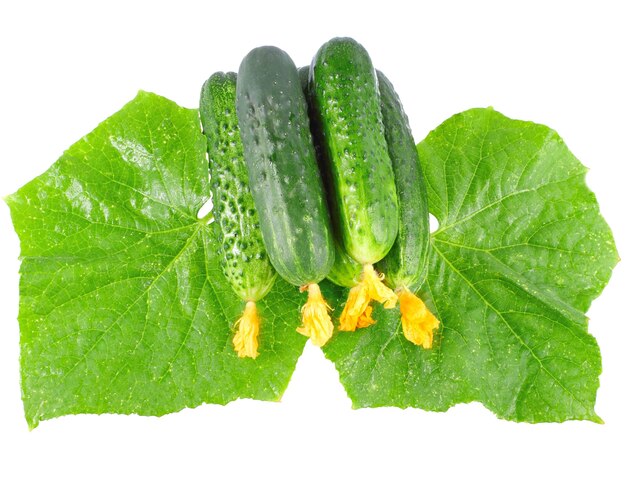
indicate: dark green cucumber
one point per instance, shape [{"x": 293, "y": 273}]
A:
[
  {"x": 244, "y": 260},
  {"x": 284, "y": 177},
  {"x": 361, "y": 186},
  {"x": 405, "y": 264}
]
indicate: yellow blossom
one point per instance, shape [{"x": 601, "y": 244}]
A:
[
  {"x": 418, "y": 322},
  {"x": 245, "y": 339},
  {"x": 366, "y": 319},
  {"x": 358, "y": 313},
  {"x": 316, "y": 321}
]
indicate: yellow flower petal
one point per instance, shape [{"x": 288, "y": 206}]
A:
[
  {"x": 376, "y": 290},
  {"x": 355, "y": 308},
  {"x": 316, "y": 322},
  {"x": 245, "y": 339},
  {"x": 366, "y": 319},
  {"x": 418, "y": 323},
  {"x": 358, "y": 313}
]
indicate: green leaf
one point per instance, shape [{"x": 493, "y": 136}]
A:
[
  {"x": 520, "y": 253},
  {"x": 123, "y": 306}
]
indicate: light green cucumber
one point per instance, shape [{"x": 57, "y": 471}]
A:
[
  {"x": 346, "y": 271},
  {"x": 361, "y": 185},
  {"x": 244, "y": 259}
]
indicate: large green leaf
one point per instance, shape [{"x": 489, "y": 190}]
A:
[
  {"x": 124, "y": 309},
  {"x": 123, "y": 306},
  {"x": 520, "y": 253}
]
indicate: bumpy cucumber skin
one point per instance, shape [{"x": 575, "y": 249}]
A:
[
  {"x": 244, "y": 260},
  {"x": 284, "y": 176},
  {"x": 405, "y": 264},
  {"x": 345, "y": 271},
  {"x": 362, "y": 191}
]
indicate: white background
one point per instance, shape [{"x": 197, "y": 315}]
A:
[{"x": 64, "y": 68}]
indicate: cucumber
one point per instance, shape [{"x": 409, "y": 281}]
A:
[
  {"x": 345, "y": 272},
  {"x": 243, "y": 257},
  {"x": 405, "y": 264},
  {"x": 303, "y": 74},
  {"x": 361, "y": 186},
  {"x": 284, "y": 176}
]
